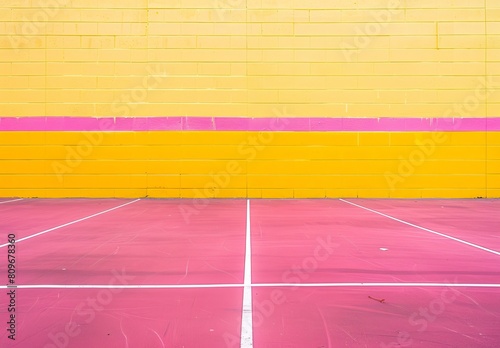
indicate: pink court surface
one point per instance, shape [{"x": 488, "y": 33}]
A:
[{"x": 251, "y": 273}]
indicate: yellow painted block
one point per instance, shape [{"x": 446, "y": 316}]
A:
[
  {"x": 29, "y": 181},
  {"x": 159, "y": 152},
  {"x": 24, "y": 109},
  {"x": 457, "y": 153},
  {"x": 450, "y": 181},
  {"x": 130, "y": 193},
  {"x": 493, "y": 109},
  {"x": 493, "y": 193},
  {"x": 116, "y": 138},
  {"x": 493, "y": 167},
  {"x": 464, "y": 28},
  {"x": 267, "y": 182},
  {"x": 369, "y": 138},
  {"x": 405, "y": 193},
  {"x": 494, "y": 181},
  {"x": 58, "y": 109},
  {"x": 493, "y": 138},
  {"x": 214, "y": 69},
  {"x": 214, "y": 138},
  {"x": 72, "y": 155},
  {"x": 462, "y": 41},
  {"x": 262, "y": 69},
  {"x": 361, "y": 181},
  {"x": 164, "y": 181},
  {"x": 22, "y": 138},
  {"x": 105, "y": 181},
  {"x": 23, "y": 193},
  {"x": 323, "y": 167},
  {"x": 164, "y": 167},
  {"x": 413, "y": 138},
  {"x": 213, "y": 152},
  {"x": 311, "y": 193},
  {"x": 493, "y": 152},
  {"x": 219, "y": 167},
  {"x": 164, "y": 138},
  {"x": 254, "y": 193},
  {"x": 81, "y": 193},
  {"x": 163, "y": 193},
  {"x": 364, "y": 153},
  {"x": 73, "y": 138},
  {"x": 189, "y": 193},
  {"x": 442, "y": 167},
  {"x": 24, "y": 167},
  {"x": 20, "y": 96},
  {"x": 368, "y": 193},
  {"x": 71, "y": 82},
  {"x": 215, "y": 183},
  {"x": 299, "y": 181},
  {"x": 468, "y": 138},
  {"x": 278, "y": 167},
  {"x": 62, "y": 96},
  {"x": 306, "y": 138},
  {"x": 199, "y": 197},
  {"x": 341, "y": 193},
  {"x": 107, "y": 167},
  {"x": 231, "y": 193},
  {"x": 277, "y": 193},
  {"x": 455, "y": 193}
]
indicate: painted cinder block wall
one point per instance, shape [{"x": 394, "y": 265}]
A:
[{"x": 163, "y": 98}]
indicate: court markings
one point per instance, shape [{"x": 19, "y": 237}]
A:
[
  {"x": 246, "y": 315},
  {"x": 258, "y": 285},
  {"x": 12, "y": 200},
  {"x": 382, "y": 285},
  {"x": 424, "y": 229},
  {"x": 71, "y": 223}
]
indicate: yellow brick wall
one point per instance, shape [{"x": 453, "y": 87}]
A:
[
  {"x": 250, "y": 164},
  {"x": 248, "y": 57}
]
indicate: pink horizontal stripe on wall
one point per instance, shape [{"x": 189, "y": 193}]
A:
[{"x": 302, "y": 124}]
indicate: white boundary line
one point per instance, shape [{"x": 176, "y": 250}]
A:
[
  {"x": 339, "y": 285},
  {"x": 71, "y": 223},
  {"x": 101, "y": 286},
  {"x": 246, "y": 315},
  {"x": 12, "y": 200},
  {"x": 424, "y": 229},
  {"x": 263, "y": 285}
]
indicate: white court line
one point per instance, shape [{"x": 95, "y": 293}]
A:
[
  {"x": 71, "y": 223},
  {"x": 338, "y": 285},
  {"x": 425, "y": 229},
  {"x": 12, "y": 200},
  {"x": 246, "y": 316},
  {"x": 262, "y": 285},
  {"x": 101, "y": 286}
]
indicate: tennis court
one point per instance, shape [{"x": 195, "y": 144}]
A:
[{"x": 255, "y": 273}]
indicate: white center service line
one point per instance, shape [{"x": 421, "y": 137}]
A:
[
  {"x": 71, "y": 223},
  {"x": 12, "y": 200},
  {"x": 424, "y": 229},
  {"x": 246, "y": 316}
]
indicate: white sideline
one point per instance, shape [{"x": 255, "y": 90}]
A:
[
  {"x": 12, "y": 200},
  {"x": 71, "y": 223},
  {"x": 424, "y": 229}
]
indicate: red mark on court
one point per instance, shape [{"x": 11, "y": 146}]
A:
[{"x": 376, "y": 299}]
